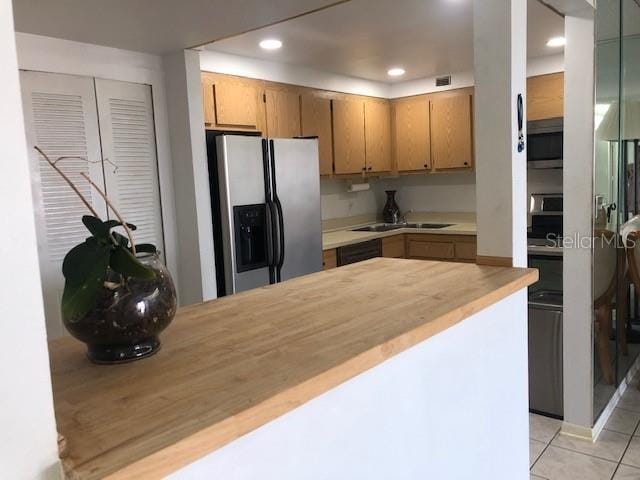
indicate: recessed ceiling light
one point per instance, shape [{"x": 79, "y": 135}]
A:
[
  {"x": 395, "y": 72},
  {"x": 270, "y": 44},
  {"x": 556, "y": 42}
]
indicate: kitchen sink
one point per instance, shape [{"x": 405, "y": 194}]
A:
[
  {"x": 378, "y": 228},
  {"x": 394, "y": 226},
  {"x": 428, "y": 225}
]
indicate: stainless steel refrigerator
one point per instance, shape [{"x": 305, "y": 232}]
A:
[{"x": 265, "y": 199}]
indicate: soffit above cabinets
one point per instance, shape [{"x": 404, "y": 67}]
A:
[{"x": 364, "y": 38}]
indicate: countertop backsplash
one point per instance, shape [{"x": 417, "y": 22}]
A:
[{"x": 441, "y": 192}]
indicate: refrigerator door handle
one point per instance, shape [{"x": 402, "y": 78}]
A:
[
  {"x": 271, "y": 233},
  {"x": 280, "y": 235},
  {"x": 272, "y": 228},
  {"x": 278, "y": 204}
]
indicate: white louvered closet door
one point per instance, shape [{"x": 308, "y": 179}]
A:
[
  {"x": 128, "y": 140},
  {"x": 60, "y": 118}
]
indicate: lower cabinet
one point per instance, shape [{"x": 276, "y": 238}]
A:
[
  {"x": 460, "y": 248},
  {"x": 452, "y": 248},
  {"x": 393, "y": 247}
]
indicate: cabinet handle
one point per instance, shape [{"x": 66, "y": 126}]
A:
[
  {"x": 466, "y": 163},
  {"x": 369, "y": 168},
  {"x": 425, "y": 165}
]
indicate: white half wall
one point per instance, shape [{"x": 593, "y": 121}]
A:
[
  {"x": 28, "y": 434},
  {"x": 47, "y": 54},
  {"x": 408, "y": 418}
]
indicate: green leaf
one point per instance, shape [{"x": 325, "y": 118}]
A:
[
  {"x": 79, "y": 262},
  {"x": 115, "y": 223},
  {"x": 121, "y": 239},
  {"x": 146, "y": 248},
  {"x": 123, "y": 262},
  {"x": 96, "y": 227},
  {"x": 78, "y": 299}
]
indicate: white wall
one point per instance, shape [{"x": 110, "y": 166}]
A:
[
  {"x": 501, "y": 172},
  {"x": 48, "y": 54},
  {"x": 578, "y": 201},
  {"x": 408, "y": 418},
  {"x": 427, "y": 85},
  {"x": 285, "y": 73},
  {"x": 337, "y": 202},
  {"x": 442, "y": 192},
  {"x": 219, "y": 62},
  {"x": 191, "y": 177},
  {"x": 28, "y": 431}
]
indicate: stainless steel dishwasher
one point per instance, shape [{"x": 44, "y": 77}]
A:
[{"x": 545, "y": 352}]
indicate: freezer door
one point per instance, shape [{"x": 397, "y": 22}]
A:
[
  {"x": 245, "y": 229},
  {"x": 296, "y": 193}
]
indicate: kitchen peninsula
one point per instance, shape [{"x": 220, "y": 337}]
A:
[{"x": 316, "y": 377}]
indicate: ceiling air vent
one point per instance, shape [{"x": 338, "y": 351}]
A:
[{"x": 443, "y": 81}]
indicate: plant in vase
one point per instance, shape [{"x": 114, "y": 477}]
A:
[{"x": 118, "y": 296}]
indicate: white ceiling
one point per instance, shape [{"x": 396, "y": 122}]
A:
[
  {"x": 153, "y": 26},
  {"x": 364, "y": 38}
]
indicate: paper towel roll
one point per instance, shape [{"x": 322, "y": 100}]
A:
[{"x": 358, "y": 187}]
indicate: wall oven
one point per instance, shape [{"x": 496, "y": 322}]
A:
[{"x": 545, "y": 143}]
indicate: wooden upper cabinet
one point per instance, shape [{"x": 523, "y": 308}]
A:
[
  {"x": 282, "y": 113},
  {"x": 236, "y": 103},
  {"x": 315, "y": 115},
  {"x": 377, "y": 121},
  {"x": 412, "y": 134},
  {"x": 545, "y": 96},
  {"x": 348, "y": 135},
  {"x": 451, "y": 130},
  {"x": 207, "y": 99}
]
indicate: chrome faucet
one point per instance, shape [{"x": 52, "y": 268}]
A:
[{"x": 401, "y": 218}]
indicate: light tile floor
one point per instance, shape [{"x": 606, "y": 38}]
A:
[{"x": 614, "y": 456}]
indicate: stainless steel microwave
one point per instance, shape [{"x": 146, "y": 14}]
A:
[{"x": 545, "y": 143}]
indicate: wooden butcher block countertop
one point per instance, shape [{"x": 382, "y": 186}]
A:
[{"x": 231, "y": 365}]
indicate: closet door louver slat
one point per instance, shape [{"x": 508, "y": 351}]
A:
[
  {"x": 60, "y": 118},
  {"x": 128, "y": 140}
]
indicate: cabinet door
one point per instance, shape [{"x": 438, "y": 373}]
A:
[
  {"x": 451, "y": 135},
  {"x": 127, "y": 135},
  {"x": 430, "y": 249},
  {"x": 545, "y": 96},
  {"x": 329, "y": 259},
  {"x": 316, "y": 121},
  {"x": 60, "y": 118},
  {"x": 348, "y": 136},
  {"x": 412, "y": 134},
  {"x": 466, "y": 250},
  {"x": 377, "y": 120},
  {"x": 208, "y": 103},
  {"x": 236, "y": 103},
  {"x": 393, "y": 247},
  {"x": 283, "y": 113}
]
